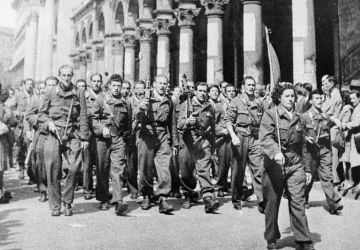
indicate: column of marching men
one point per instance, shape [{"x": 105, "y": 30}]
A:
[{"x": 136, "y": 135}]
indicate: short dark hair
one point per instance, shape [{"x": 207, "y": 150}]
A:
[
  {"x": 116, "y": 78},
  {"x": 126, "y": 81},
  {"x": 29, "y": 79},
  {"x": 279, "y": 90},
  {"x": 308, "y": 87},
  {"x": 214, "y": 86},
  {"x": 202, "y": 84},
  {"x": 247, "y": 78},
  {"x": 96, "y": 74},
  {"x": 66, "y": 66},
  {"x": 221, "y": 84},
  {"x": 345, "y": 96},
  {"x": 51, "y": 78},
  {"x": 315, "y": 92},
  {"x": 140, "y": 82},
  {"x": 230, "y": 86},
  {"x": 81, "y": 80}
]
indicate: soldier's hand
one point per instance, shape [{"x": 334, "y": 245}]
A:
[
  {"x": 29, "y": 135},
  {"x": 235, "y": 141},
  {"x": 144, "y": 104},
  {"x": 106, "y": 132},
  {"x": 175, "y": 151},
  {"x": 225, "y": 131},
  {"x": 84, "y": 144},
  {"x": 310, "y": 139},
  {"x": 308, "y": 178},
  {"x": 52, "y": 127},
  {"x": 191, "y": 120},
  {"x": 279, "y": 159}
]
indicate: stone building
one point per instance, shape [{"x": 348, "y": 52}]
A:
[
  {"x": 6, "y": 52},
  {"x": 208, "y": 40}
]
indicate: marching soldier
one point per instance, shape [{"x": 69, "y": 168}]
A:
[
  {"x": 111, "y": 121},
  {"x": 243, "y": 116},
  {"x": 157, "y": 123},
  {"x": 317, "y": 153},
  {"x": 64, "y": 114},
  {"x": 197, "y": 122},
  {"x": 281, "y": 134}
]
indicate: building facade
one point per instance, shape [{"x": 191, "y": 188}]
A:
[
  {"x": 207, "y": 40},
  {"x": 6, "y": 52}
]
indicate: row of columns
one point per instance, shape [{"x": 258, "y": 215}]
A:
[{"x": 119, "y": 49}]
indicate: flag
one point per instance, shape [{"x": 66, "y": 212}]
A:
[{"x": 275, "y": 73}]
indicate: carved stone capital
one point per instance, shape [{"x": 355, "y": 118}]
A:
[
  {"x": 118, "y": 46},
  {"x": 129, "y": 40},
  {"x": 162, "y": 26},
  {"x": 145, "y": 34},
  {"x": 186, "y": 17},
  {"x": 214, "y": 7}
]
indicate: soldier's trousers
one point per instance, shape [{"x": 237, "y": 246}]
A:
[
  {"x": 20, "y": 150},
  {"x": 248, "y": 152},
  {"x": 89, "y": 160},
  {"x": 196, "y": 157},
  {"x": 154, "y": 151},
  {"x": 112, "y": 160},
  {"x": 291, "y": 178},
  {"x": 132, "y": 171},
  {"x": 39, "y": 163},
  {"x": 320, "y": 162},
  {"x": 225, "y": 155},
  {"x": 53, "y": 163}
]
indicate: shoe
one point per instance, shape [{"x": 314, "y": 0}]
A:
[
  {"x": 7, "y": 194},
  {"x": 133, "y": 196},
  {"x": 43, "y": 197},
  {"x": 4, "y": 200},
  {"x": 237, "y": 205},
  {"x": 104, "y": 206},
  {"x": 261, "y": 207},
  {"x": 154, "y": 199},
  {"x": 271, "y": 245},
  {"x": 21, "y": 174},
  {"x": 165, "y": 207},
  {"x": 307, "y": 205},
  {"x": 177, "y": 194},
  {"x": 88, "y": 197},
  {"x": 68, "y": 210},
  {"x": 120, "y": 208},
  {"x": 335, "y": 210},
  {"x": 306, "y": 246},
  {"x": 55, "y": 212},
  {"x": 36, "y": 190},
  {"x": 194, "y": 196},
  {"x": 145, "y": 205},
  {"x": 187, "y": 203},
  {"x": 220, "y": 193},
  {"x": 211, "y": 205}
]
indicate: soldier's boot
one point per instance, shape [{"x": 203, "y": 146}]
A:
[
  {"x": 68, "y": 210},
  {"x": 43, "y": 197},
  {"x": 55, "y": 212},
  {"x": 211, "y": 205},
  {"x": 271, "y": 245},
  {"x": 120, "y": 208},
  {"x": 220, "y": 193},
  {"x": 145, "y": 205},
  {"x": 187, "y": 203},
  {"x": 335, "y": 209},
  {"x": 237, "y": 205},
  {"x": 306, "y": 246},
  {"x": 165, "y": 207},
  {"x": 21, "y": 172}
]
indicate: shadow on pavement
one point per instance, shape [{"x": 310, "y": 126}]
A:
[{"x": 6, "y": 225}]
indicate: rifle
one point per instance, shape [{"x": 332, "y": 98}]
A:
[
  {"x": 208, "y": 129},
  {"x": 62, "y": 146},
  {"x": 30, "y": 149}
]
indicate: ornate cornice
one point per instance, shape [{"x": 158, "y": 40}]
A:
[
  {"x": 186, "y": 17},
  {"x": 214, "y": 7}
]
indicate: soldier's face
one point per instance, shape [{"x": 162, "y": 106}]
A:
[
  {"x": 29, "y": 86},
  {"x": 201, "y": 93},
  {"x": 42, "y": 89},
  {"x": 81, "y": 85},
  {"x": 317, "y": 101},
  {"x": 249, "y": 87},
  {"x": 223, "y": 86},
  {"x": 125, "y": 89},
  {"x": 96, "y": 83},
  {"x": 354, "y": 99},
  {"x": 51, "y": 83},
  {"x": 230, "y": 92},
  {"x": 190, "y": 86},
  {"x": 66, "y": 75},
  {"x": 287, "y": 98},
  {"x": 160, "y": 85},
  {"x": 115, "y": 88},
  {"x": 139, "y": 90},
  {"x": 214, "y": 93}
]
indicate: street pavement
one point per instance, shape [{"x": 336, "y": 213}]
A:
[{"x": 25, "y": 223}]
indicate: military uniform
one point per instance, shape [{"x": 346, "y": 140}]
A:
[
  {"x": 55, "y": 109},
  {"x": 197, "y": 149},
  {"x": 156, "y": 134},
  {"x": 290, "y": 177},
  {"x": 318, "y": 155},
  {"x": 245, "y": 115},
  {"x": 114, "y": 114}
]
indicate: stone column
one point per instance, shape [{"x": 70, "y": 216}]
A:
[
  {"x": 214, "y": 13},
  {"x": 75, "y": 59},
  {"x": 253, "y": 37},
  {"x": 118, "y": 53},
  {"x": 186, "y": 56},
  {"x": 304, "y": 44},
  {"x": 89, "y": 62},
  {"x": 129, "y": 62},
  {"x": 47, "y": 48},
  {"x": 108, "y": 56},
  {"x": 94, "y": 68},
  {"x": 144, "y": 34},
  {"x": 163, "y": 46},
  {"x": 82, "y": 65},
  {"x": 31, "y": 39}
]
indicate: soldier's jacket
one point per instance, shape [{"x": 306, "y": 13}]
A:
[
  {"x": 33, "y": 115},
  {"x": 6, "y": 116},
  {"x": 56, "y": 106},
  {"x": 317, "y": 125},
  {"x": 332, "y": 105},
  {"x": 113, "y": 113},
  {"x": 220, "y": 113},
  {"x": 90, "y": 97},
  {"x": 244, "y": 113},
  {"x": 160, "y": 116},
  {"x": 291, "y": 132},
  {"x": 204, "y": 113}
]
